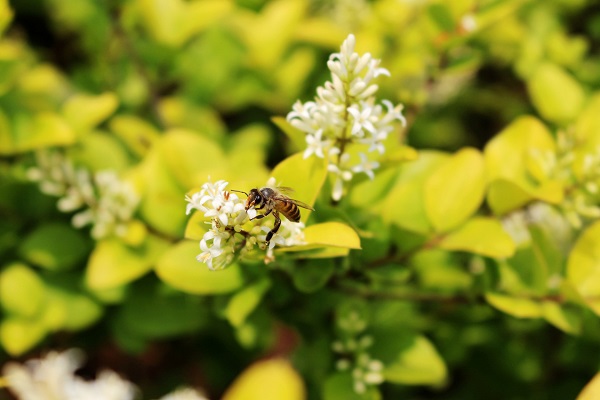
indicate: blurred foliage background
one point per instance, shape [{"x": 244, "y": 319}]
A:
[{"x": 165, "y": 93}]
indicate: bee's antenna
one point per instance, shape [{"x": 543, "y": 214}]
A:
[{"x": 239, "y": 191}]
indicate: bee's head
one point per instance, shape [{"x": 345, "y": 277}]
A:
[{"x": 254, "y": 199}]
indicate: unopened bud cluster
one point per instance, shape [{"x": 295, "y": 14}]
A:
[
  {"x": 104, "y": 201},
  {"x": 345, "y": 113},
  {"x": 354, "y": 355}
]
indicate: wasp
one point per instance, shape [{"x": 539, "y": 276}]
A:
[{"x": 274, "y": 201}]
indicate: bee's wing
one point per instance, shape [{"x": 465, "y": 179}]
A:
[
  {"x": 285, "y": 189},
  {"x": 293, "y": 201}
]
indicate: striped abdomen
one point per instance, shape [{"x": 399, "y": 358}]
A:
[{"x": 288, "y": 209}]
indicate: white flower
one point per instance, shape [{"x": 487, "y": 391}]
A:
[
  {"x": 212, "y": 251},
  {"x": 362, "y": 118},
  {"x": 366, "y": 166},
  {"x": 316, "y": 144},
  {"x": 52, "y": 377},
  {"x": 340, "y": 176},
  {"x": 184, "y": 394}
]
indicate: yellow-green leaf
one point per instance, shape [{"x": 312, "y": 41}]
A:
[
  {"x": 333, "y": 234},
  {"x": 84, "y": 112},
  {"x": 556, "y": 94},
  {"x": 583, "y": 266},
  {"x": 6, "y": 15},
  {"x": 562, "y": 317},
  {"x": 483, "y": 236},
  {"x": 179, "y": 268},
  {"x": 515, "y": 306},
  {"x": 35, "y": 131},
  {"x": 113, "y": 263},
  {"x": 506, "y": 162},
  {"x": 100, "y": 151},
  {"x": 455, "y": 190},
  {"x": 137, "y": 133},
  {"x": 504, "y": 196},
  {"x": 587, "y": 128},
  {"x": 18, "y": 335},
  {"x": 22, "y": 291},
  {"x": 404, "y": 205},
  {"x": 70, "y": 310},
  {"x": 591, "y": 391},
  {"x": 273, "y": 379},
  {"x": 191, "y": 158},
  {"x": 162, "y": 205}
]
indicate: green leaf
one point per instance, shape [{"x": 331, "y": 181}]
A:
[
  {"x": 557, "y": 95},
  {"x": 19, "y": 335},
  {"x": 479, "y": 235},
  {"x": 340, "y": 386},
  {"x": 22, "y": 291},
  {"x": 296, "y": 136},
  {"x": 179, "y": 268},
  {"x": 84, "y": 112},
  {"x": 409, "y": 359},
  {"x": 54, "y": 246},
  {"x": 516, "y": 306},
  {"x": 242, "y": 303},
  {"x": 151, "y": 312},
  {"x": 283, "y": 382},
  {"x": 455, "y": 190},
  {"x": 313, "y": 275},
  {"x": 441, "y": 271},
  {"x": 113, "y": 263},
  {"x": 305, "y": 176},
  {"x": 583, "y": 266},
  {"x": 441, "y": 16},
  {"x": 404, "y": 205}
]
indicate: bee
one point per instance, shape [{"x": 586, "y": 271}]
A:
[{"x": 273, "y": 201}]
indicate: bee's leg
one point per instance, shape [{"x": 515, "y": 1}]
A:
[
  {"x": 275, "y": 228},
  {"x": 261, "y": 216}
]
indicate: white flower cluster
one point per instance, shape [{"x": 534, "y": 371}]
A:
[
  {"x": 233, "y": 229},
  {"x": 53, "y": 378},
  {"x": 578, "y": 173},
  {"x": 344, "y": 112},
  {"x": 107, "y": 203}
]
